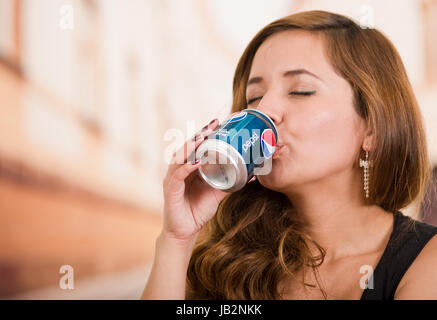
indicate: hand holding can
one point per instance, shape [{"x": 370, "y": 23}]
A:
[{"x": 188, "y": 201}]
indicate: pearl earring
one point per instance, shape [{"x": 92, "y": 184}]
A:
[{"x": 366, "y": 163}]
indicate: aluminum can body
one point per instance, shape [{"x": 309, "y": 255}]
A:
[{"x": 230, "y": 155}]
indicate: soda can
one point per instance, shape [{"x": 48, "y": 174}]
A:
[{"x": 230, "y": 155}]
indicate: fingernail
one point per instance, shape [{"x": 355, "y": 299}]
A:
[
  {"x": 212, "y": 121},
  {"x": 197, "y": 137}
]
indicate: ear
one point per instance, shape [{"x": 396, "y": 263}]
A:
[{"x": 368, "y": 142}]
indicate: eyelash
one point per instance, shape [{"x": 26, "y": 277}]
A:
[{"x": 300, "y": 93}]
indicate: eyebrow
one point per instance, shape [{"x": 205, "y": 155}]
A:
[{"x": 286, "y": 74}]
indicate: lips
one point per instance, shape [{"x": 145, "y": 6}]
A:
[{"x": 277, "y": 150}]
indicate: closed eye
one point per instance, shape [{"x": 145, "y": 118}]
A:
[
  {"x": 299, "y": 93},
  {"x": 303, "y": 93}
]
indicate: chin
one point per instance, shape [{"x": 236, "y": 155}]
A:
[{"x": 271, "y": 182}]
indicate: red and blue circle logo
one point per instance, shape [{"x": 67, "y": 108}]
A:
[{"x": 268, "y": 143}]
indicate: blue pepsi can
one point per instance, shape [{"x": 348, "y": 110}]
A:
[{"x": 231, "y": 154}]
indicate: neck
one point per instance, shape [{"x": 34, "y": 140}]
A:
[{"x": 336, "y": 217}]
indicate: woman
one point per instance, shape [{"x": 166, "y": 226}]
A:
[{"x": 325, "y": 222}]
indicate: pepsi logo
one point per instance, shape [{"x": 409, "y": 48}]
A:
[
  {"x": 250, "y": 142},
  {"x": 268, "y": 143}
]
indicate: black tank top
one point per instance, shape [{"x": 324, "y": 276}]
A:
[{"x": 407, "y": 239}]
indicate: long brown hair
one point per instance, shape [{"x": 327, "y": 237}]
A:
[{"x": 256, "y": 239}]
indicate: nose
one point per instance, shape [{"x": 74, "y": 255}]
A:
[{"x": 274, "y": 112}]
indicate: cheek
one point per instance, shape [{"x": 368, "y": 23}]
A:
[{"x": 327, "y": 137}]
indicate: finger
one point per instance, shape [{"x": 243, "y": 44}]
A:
[
  {"x": 181, "y": 155},
  {"x": 252, "y": 179},
  {"x": 176, "y": 163},
  {"x": 176, "y": 185}
]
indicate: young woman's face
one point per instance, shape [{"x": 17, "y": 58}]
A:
[{"x": 292, "y": 81}]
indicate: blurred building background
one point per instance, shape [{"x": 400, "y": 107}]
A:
[{"x": 89, "y": 93}]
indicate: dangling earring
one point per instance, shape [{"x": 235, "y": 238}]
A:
[{"x": 366, "y": 163}]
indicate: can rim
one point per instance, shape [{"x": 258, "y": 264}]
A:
[{"x": 221, "y": 147}]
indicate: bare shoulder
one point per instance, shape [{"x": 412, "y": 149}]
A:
[{"x": 420, "y": 280}]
